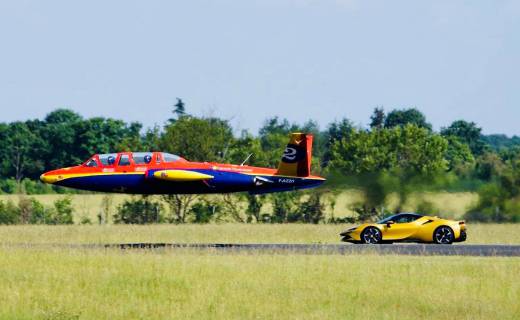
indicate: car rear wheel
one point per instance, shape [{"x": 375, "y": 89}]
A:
[
  {"x": 443, "y": 235},
  {"x": 371, "y": 235}
]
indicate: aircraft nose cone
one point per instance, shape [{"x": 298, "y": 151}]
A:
[{"x": 45, "y": 178}]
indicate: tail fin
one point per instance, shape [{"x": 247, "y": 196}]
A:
[{"x": 296, "y": 159}]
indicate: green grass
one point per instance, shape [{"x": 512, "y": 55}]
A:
[
  {"x": 219, "y": 233},
  {"x": 107, "y": 284},
  {"x": 62, "y": 283}
]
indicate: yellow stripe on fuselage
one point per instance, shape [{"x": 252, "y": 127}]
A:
[{"x": 60, "y": 177}]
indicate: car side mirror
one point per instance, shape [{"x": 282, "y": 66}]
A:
[{"x": 389, "y": 223}]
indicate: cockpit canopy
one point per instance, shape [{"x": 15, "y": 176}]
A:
[{"x": 131, "y": 158}]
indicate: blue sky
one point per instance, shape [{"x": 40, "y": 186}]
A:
[{"x": 249, "y": 60}]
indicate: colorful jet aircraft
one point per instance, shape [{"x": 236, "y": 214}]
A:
[{"x": 164, "y": 173}]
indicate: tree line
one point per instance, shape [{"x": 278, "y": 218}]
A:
[{"x": 398, "y": 153}]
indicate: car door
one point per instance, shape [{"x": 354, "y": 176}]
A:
[{"x": 404, "y": 226}]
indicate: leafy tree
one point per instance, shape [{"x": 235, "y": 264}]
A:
[
  {"x": 273, "y": 136},
  {"x": 198, "y": 139},
  {"x": 458, "y": 154},
  {"x": 231, "y": 205},
  {"x": 60, "y": 132},
  {"x": 248, "y": 146},
  {"x": 103, "y": 135},
  {"x": 382, "y": 161},
  {"x": 466, "y": 132},
  {"x": 336, "y": 131},
  {"x": 62, "y": 116},
  {"x": 499, "y": 200},
  {"x": 400, "y": 118},
  {"x": 276, "y": 125},
  {"x": 285, "y": 207},
  {"x": 21, "y": 158},
  {"x": 408, "y": 147},
  {"x": 179, "y": 110},
  {"x": 500, "y": 142},
  {"x": 254, "y": 207},
  {"x": 151, "y": 140},
  {"x": 489, "y": 166},
  {"x": 377, "y": 119},
  {"x": 180, "y": 206}
]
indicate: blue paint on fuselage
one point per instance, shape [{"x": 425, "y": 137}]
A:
[{"x": 223, "y": 182}]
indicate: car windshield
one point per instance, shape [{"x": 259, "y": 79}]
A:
[
  {"x": 401, "y": 218},
  {"x": 390, "y": 218}
]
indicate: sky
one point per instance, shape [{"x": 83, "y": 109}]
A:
[{"x": 246, "y": 61}]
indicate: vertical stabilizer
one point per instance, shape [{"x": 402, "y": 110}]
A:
[{"x": 296, "y": 159}]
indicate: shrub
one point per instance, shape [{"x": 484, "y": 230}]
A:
[
  {"x": 38, "y": 213},
  {"x": 62, "y": 213},
  {"x": 8, "y": 186},
  {"x": 205, "y": 210},
  {"x": 139, "y": 211},
  {"x": 9, "y": 213},
  {"x": 36, "y": 187},
  {"x": 312, "y": 210}
]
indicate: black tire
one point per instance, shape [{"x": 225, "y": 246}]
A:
[
  {"x": 443, "y": 235},
  {"x": 371, "y": 235}
]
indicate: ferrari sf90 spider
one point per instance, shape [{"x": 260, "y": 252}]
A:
[{"x": 408, "y": 227}]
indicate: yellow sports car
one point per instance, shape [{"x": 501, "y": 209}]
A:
[{"x": 408, "y": 227}]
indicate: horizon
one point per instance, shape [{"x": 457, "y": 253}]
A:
[{"x": 237, "y": 131}]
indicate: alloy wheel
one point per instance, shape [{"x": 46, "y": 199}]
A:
[
  {"x": 371, "y": 235},
  {"x": 443, "y": 235}
]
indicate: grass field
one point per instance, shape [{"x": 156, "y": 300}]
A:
[
  {"x": 66, "y": 283},
  {"x": 449, "y": 205},
  {"x": 219, "y": 233},
  {"x": 78, "y": 284}
]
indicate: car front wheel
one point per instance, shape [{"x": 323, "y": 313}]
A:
[
  {"x": 371, "y": 235},
  {"x": 443, "y": 235}
]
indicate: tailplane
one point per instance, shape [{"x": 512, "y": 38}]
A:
[{"x": 296, "y": 159}]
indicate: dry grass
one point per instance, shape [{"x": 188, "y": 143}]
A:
[
  {"x": 76, "y": 284},
  {"x": 219, "y": 233},
  {"x": 450, "y": 205}
]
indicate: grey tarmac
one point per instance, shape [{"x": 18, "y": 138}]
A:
[
  {"x": 482, "y": 250},
  {"x": 344, "y": 249}
]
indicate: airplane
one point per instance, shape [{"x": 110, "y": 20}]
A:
[{"x": 164, "y": 173}]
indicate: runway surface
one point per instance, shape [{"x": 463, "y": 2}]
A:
[
  {"x": 402, "y": 249},
  {"x": 487, "y": 250}
]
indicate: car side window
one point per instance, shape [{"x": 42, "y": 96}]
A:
[
  {"x": 124, "y": 160},
  {"x": 406, "y": 218},
  {"x": 413, "y": 217},
  {"x": 401, "y": 219}
]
